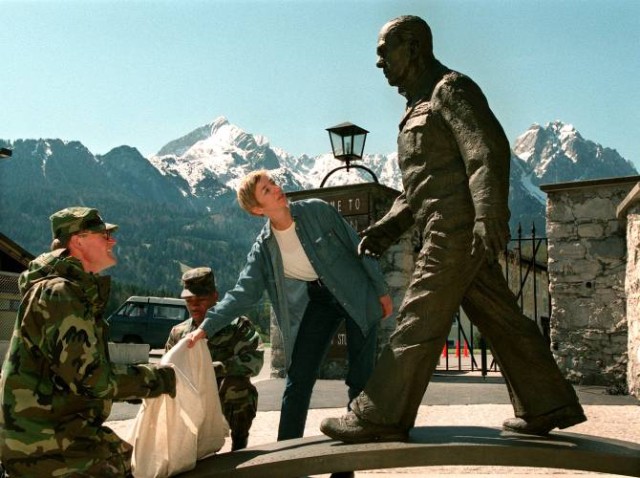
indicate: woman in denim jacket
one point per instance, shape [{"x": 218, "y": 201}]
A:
[{"x": 306, "y": 259}]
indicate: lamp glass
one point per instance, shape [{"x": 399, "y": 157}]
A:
[
  {"x": 358, "y": 144},
  {"x": 336, "y": 144}
]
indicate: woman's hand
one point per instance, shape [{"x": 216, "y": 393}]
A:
[
  {"x": 387, "y": 305},
  {"x": 193, "y": 337}
]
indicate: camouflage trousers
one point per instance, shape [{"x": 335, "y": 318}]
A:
[
  {"x": 104, "y": 455},
  {"x": 239, "y": 400}
]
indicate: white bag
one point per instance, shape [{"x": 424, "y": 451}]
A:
[{"x": 170, "y": 434}]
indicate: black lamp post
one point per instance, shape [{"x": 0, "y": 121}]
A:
[{"x": 347, "y": 143}]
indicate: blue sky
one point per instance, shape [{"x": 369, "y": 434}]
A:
[{"x": 143, "y": 73}]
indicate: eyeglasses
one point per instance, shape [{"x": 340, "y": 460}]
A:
[{"x": 106, "y": 234}]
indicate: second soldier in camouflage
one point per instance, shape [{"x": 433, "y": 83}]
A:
[{"x": 234, "y": 350}]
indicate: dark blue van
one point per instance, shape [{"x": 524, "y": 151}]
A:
[{"x": 146, "y": 320}]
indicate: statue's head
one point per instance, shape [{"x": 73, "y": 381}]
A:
[{"x": 405, "y": 49}]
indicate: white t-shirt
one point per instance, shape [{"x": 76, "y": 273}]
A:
[{"x": 295, "y": 260}]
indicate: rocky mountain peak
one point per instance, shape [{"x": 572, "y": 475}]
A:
[
  {"x": 213, "y": 157},
  {"x": 558, "y": 153},
  {"x": 183, "y": 198}
]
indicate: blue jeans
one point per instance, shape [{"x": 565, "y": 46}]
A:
[{"x": 319, "y": 325}]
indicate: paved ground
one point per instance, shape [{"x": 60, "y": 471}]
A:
[{"x": 461, "y": 399}]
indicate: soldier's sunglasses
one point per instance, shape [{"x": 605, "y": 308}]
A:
[{"x": 106, "y": 234}]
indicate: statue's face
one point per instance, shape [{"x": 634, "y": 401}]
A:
[{"x": 394, "y": 57}]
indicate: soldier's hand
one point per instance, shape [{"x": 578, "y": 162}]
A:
[
  {"x": 374, "y": 242},
  {"x": 193, "y": 337},
  {"x": 165, "y": 381},
  {"x": 492, "y": 235}
]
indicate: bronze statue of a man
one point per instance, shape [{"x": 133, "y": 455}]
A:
[{"x": 454, "y": 157}]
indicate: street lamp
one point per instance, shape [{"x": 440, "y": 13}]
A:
[{"x": 347, "y": 143}]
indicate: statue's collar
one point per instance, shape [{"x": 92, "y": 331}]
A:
[{"x": 424, "y": 87}]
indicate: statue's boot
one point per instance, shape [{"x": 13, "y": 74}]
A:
[
  {"x": 541, "y": 425},
  {"x": 351, "y": 429}
]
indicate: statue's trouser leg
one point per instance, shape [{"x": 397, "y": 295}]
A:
[
  {"x": 441, "y": 282},
  {"x": 440, "y": 277},
  {"x": 536, "y": 385}
]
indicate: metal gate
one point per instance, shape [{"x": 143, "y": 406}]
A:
[{"x": 525, "y": 269}]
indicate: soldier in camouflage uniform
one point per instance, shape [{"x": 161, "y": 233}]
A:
[
  {"x": 234, "y": 351},
  {"x": 57, "y": 383}
]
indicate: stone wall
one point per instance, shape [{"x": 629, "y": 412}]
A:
[
  {"x": 587, "y": 268},
  {"x": 629, "y": 212}
]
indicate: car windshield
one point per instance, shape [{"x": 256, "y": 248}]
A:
[
  {"x": 132, "y": 309},
  {"x": 168, "y": 312}
]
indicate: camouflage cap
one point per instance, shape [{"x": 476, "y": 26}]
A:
[
  {"x": 198, "y": 281},
  {"x": 72, "y": 220}
]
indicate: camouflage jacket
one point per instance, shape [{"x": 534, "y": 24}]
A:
[
  {"x": 57, "y": 382},
  {"x": 234, "y": 349}
]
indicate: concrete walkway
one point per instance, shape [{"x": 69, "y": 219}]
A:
[{"x": 451, "y": 400}]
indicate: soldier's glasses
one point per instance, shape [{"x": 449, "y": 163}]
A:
[{"x": 106, "y": 234}]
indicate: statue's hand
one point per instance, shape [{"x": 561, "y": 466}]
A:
[
  {"x": 490, "y": 234},
  {"x": 374, "y": 242}
]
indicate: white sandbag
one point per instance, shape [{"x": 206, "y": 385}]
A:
[{"x": 170, "y": 435}]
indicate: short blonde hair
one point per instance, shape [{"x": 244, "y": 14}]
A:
[{"x": 247, "y": 190}]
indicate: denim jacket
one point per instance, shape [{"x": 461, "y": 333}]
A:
[{"x": 331, "y": 246}]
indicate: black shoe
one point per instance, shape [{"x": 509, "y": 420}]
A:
[
  {"x": 541, "y": 425},
  {"x": 351, "y": 429},
  {"x": 343, "y": 474}
]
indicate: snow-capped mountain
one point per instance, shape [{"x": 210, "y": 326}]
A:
[
  {"x": 558, "y": 153},
  {"x": 552, "y": 154},
  {"x": 178, "y": 205},
  {"x": 212, "y": 159}
]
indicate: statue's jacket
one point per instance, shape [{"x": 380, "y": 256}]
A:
[{"x": 454, "y": 157}]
